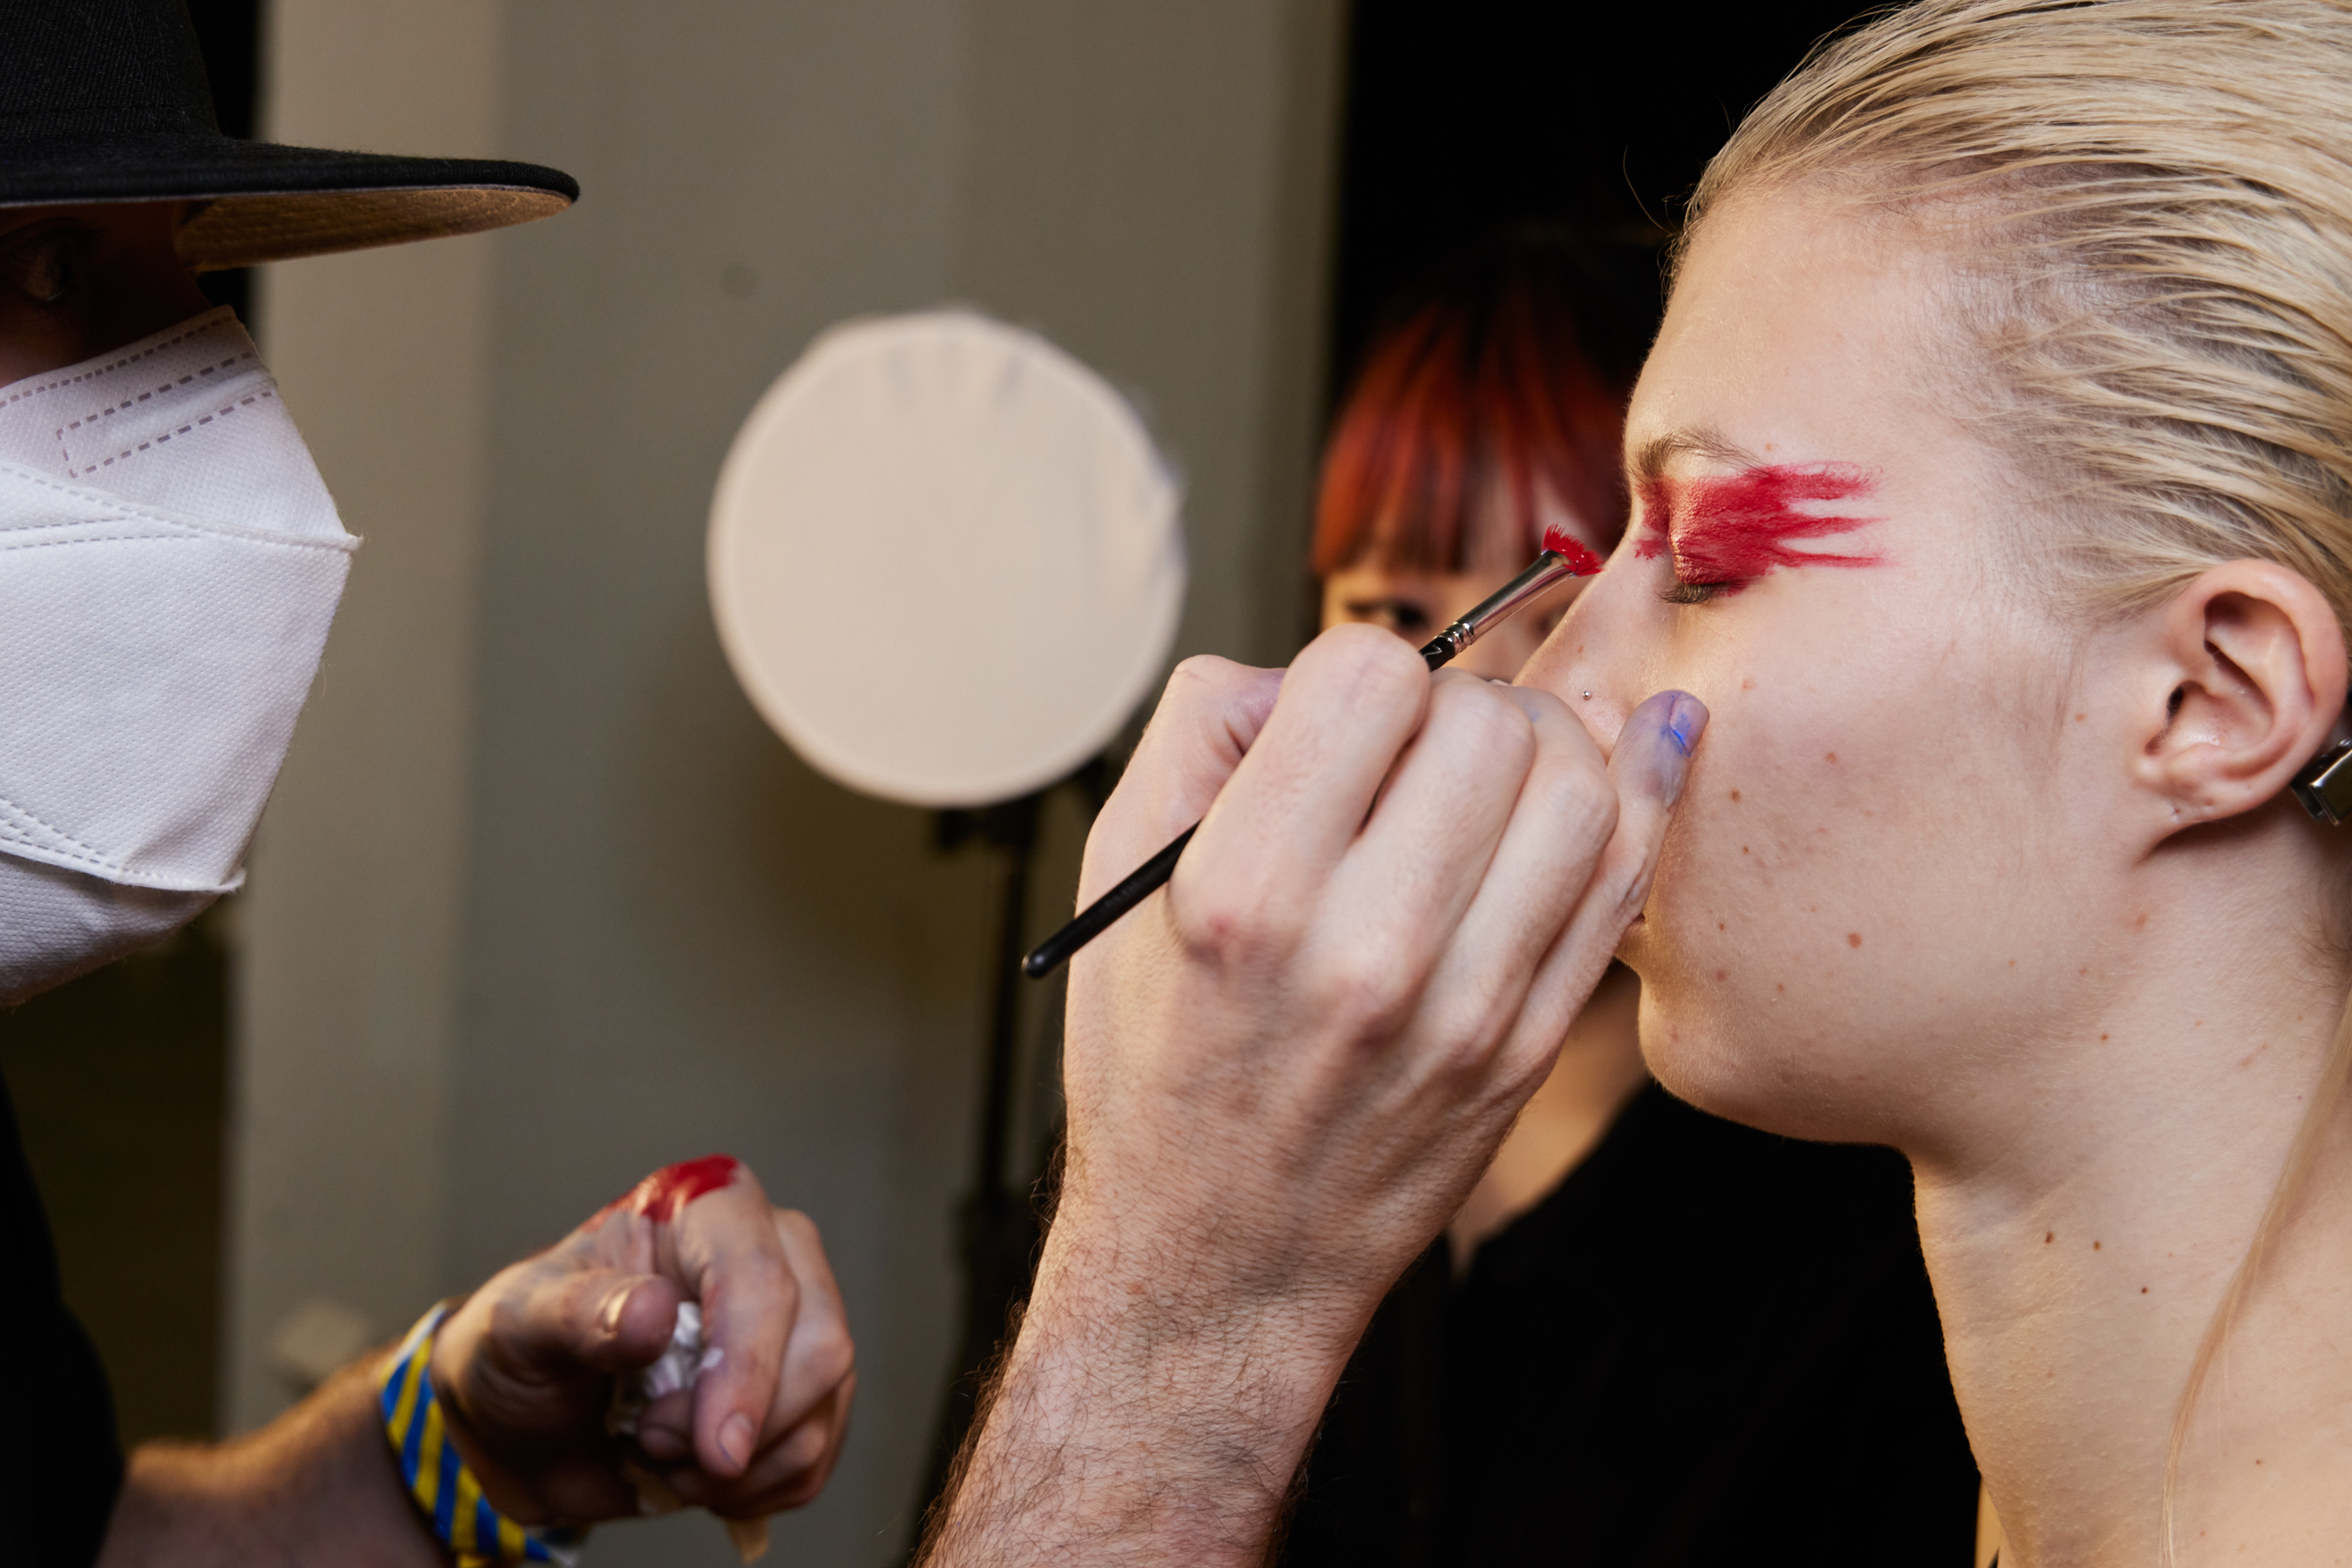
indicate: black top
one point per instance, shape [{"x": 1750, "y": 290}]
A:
[
  {"x": 1707, "y": 1345},
  {"x": 60, "y": 1465}
]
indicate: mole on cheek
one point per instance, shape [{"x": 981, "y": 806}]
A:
[
  {"x": 1735, "y": 794},
  {"x": 1854, "y": 939}
]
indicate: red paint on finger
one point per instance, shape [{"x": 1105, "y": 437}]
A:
[
  {"x": 1581, "y": 561},
  {"x": 660, "y": 1195},
  {"x": 1727, "y": 532}
]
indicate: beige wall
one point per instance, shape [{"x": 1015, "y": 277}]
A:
[
  {"x": 540, "y": 903},
  {"x": 346, "y": 995}
]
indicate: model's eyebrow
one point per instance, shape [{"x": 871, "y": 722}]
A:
[{"x": 1650, "y": 458}]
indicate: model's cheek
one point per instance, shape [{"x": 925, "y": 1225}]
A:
[{"x": 1785, "y": 867}]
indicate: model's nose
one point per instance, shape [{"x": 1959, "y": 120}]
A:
[{"x": 1582, "y": 663}]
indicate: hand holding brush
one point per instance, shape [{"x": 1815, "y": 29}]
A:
[{"x": 1564, "y": 556}]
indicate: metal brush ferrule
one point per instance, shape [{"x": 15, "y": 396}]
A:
[
  {"x": 2325, "y": 784},
  {"x": 1547, "y": 570}
]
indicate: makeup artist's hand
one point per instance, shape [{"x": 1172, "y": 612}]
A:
[
  {"x": 525, "y": 1368},
  {"x": 1284, "y": 1075}
]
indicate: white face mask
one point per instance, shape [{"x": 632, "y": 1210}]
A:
[{"x": 170, "y": 562}]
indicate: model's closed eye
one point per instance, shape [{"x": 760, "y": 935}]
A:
[
  {"x": 1681, "y": 592},
  {"x": 1723, "y": 533}
]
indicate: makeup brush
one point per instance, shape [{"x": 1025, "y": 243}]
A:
[{"x": 1564, "y": 556}]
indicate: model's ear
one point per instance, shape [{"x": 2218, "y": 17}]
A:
[{"x": 2245, "y": 683}]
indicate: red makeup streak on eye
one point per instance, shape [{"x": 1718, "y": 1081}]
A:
[
  {"x": 1581, "y": 561},
  {"x": 660, "y": 1195},
  {"x": 1727, "y": 532}
]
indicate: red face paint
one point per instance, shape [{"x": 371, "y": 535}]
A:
[
  {"x": 1581, "y": 561},
  {"x": 660, "y": 1195},
  {"x": 1727, "y": 532}
]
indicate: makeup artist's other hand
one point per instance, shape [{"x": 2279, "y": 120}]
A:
[
  {"x": 525, "y": 1366},
  {"x": 1285, "y": 1074}
]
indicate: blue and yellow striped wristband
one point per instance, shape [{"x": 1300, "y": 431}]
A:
[{"x": 440, "y": 1481}]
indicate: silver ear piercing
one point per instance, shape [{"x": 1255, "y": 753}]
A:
[{"x": 2325, "y": 784}]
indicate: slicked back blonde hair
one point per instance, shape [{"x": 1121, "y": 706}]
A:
[
  {"x": 2150, "y": 207},
  {"x": 2157, "y": 199}
]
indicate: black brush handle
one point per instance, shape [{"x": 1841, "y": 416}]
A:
[
  {"x": 1151, "y": 876},
  {"x": 1099, "y": 916},
  {"x": 1547, "y": 570}
]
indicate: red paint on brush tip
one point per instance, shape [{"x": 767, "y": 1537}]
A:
[
  {"x": 660, "y": 1195},
  {"x": 1727, "y": 532},
  {"x": 1581, "y": 561}
]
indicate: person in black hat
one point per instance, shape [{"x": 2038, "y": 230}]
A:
[{"x": 169, "y": 564}]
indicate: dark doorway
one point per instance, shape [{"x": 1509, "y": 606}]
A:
[
  {"x": 121, "y": 1079},
  {"x": 1463, "y": 115}
]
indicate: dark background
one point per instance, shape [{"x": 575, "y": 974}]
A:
[{"x": 1462, "y": 115}]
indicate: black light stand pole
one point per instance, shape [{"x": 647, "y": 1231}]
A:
[
  {"x": 1017, "y": 842},
  {"x": 1001, "y": 1224},
  {"x": 999, "y": 1229}
]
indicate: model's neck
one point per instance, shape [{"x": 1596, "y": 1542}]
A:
[{"x": 2080, "y": 1253}]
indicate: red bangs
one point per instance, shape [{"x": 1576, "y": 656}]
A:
[{"x": 1467, "y": 411}]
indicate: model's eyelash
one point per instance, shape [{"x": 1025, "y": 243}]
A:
[
  {"x": 1677, "y": 592},
  {"x": 1682, "y": 593}
]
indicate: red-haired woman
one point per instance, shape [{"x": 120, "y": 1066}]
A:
[{"x": 1649, "y": 1334}]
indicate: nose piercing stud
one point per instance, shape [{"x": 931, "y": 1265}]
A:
[{"x": 1587, "y": 697}]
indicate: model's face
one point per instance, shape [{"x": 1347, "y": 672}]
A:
[
  {"x": 77, "y": 282},
  {"x": 1871, "y": 871}
]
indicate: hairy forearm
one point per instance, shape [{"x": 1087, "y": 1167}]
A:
[
  {"x": 316, "y": 1485},
  {"x": 1137, "y": 1421}
]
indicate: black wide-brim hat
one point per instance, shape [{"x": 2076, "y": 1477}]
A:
[{"x": 106, "y": 100}]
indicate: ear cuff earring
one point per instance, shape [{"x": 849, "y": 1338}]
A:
[{"x": 2325, "y": 784}]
